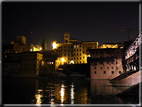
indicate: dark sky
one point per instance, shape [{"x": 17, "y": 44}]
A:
[{"x": 86, "y": 21}]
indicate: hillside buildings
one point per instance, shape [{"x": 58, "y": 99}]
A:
[
  {"x": 72, "y": 52},
  {"x": 21, "y": 46}
]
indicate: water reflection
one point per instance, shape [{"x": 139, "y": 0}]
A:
[
  {"x": 38, "y": 97},
  {"x": 62, "y": 92},
  {"x": 72, "y": 94}
]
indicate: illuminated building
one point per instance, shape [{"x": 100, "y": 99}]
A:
[
  {"x": 21, "y": 46},
  {"x": 105, "y": 63},
  {"x": 73, "y": 52},
  {"x": 25, "y": 64},
  {"x": 111, "y": 45}
]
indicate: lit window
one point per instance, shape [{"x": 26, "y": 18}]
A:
[
  {"x": 74, "y": 46},
  {"x": 30, "y": 49},
  {"x": 52, "y": 62}
]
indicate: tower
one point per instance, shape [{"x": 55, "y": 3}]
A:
[
  {"x": 21, "y": 39},
  {"x": 66, "y": 37}
]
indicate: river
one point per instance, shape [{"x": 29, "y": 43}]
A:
[{"x": 61, "y": 91}]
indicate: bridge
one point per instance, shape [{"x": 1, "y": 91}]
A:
[{"x": 132, "y": 75}]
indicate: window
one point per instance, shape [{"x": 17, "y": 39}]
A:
[
  {"x": 112, "y": 67},
  {"x": 104, "y": 72},
  {"x": 64, "y": 54},
  {"x": 95, "y": 72},
  {"x": 119, "y": 72},
  {"x": 116, "y": 67},
  {"x": 107, "y": 67},
  {"x": 80, "y": 57},
  {"x": 80, "y": 49},
  {"x": 80, "y": 62},
  {"x": 116, "y": 57},
  {"x": 95, "y": 67},
  {"x": 68, "y": 54},
  {"x": 101, "y": 67},
  {"x": 116, "y": 62},
  {"x": 74, "y": 58},
  {"x": 112, "y": 72}
]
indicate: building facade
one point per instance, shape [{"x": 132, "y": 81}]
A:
[
  {"x": 105, "y": 63},
  {"x": 72, "y": 52},
  {"x": 21, "y": 46},
  {"x": 23, "y": 64}
]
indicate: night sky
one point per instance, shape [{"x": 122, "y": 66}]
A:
[{"x": 86, "y": 21}]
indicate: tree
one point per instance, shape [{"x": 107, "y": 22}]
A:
[{"x": 44, "y": 45}]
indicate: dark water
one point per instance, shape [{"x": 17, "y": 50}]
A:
[{"x": 63, "y": 91}]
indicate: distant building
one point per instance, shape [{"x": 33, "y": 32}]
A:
[
  {"x": 23, "y": 64},
  {"x": 20, "y": 46},
  {"x": 105, "y": 63},
  {"x": 71, "y": 52},
  {"x": 111, "y": 45}
]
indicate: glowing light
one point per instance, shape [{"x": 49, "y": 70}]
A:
[
  {"x": 30, "y": 49},
  {"x": 72, "y": 62},
  {"x": 40, "y": 48},
  {"x": 54, "y": 45},
  {"x": 63, "y": 59},
  {"x": 88, "y": 55}
]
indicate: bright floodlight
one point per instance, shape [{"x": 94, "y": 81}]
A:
[{"x": 54, "y": 45}]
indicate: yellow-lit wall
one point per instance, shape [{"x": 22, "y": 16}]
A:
[
  {"x": 110, "y": 46},
  {"x": 76, "y": 53}
]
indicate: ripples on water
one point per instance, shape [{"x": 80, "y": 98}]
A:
[{"x": 53, "y": 91}]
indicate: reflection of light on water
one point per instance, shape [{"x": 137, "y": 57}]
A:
[
  {"x": 72, "y": 94},
  {"x": 62, "y": 93},
  {"x": 38, "y": 97}
]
